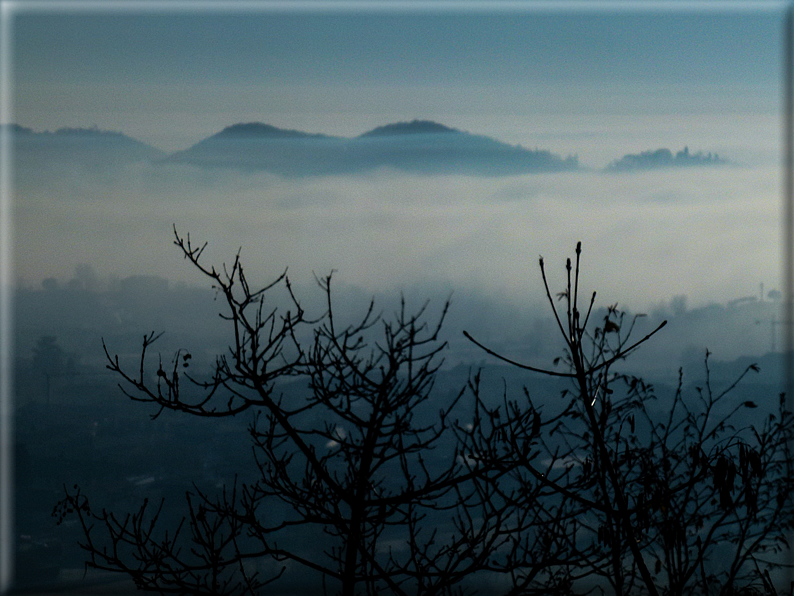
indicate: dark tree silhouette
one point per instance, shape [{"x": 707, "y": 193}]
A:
[
  {"x": 367, "y": 484},
  {"x": 360, "y": 480},
  {"x": 676, "y": 495}
]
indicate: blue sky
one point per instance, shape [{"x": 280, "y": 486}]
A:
[{"x": 360, "y": 47}]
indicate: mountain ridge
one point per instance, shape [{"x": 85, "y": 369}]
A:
[
  {"x": 260, "y": 129},
  {"x": 418, "y": 146},
  {"x": 91, "y": 148},
  {"x": 412, "y": 127}
]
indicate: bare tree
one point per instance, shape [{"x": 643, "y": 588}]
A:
[
  {"x": 367, "y": 484},
  {"x": 674, "y": 496},
  {"x": 359, "y": 464}
]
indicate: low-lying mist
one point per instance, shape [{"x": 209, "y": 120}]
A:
[
  {"x": 680, "y": 244},
  {"x": 713, "y": 234}
]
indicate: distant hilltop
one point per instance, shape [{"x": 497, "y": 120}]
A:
[
  {"x": 413, "y": 127},
  {"x": 419, "y": 146},
  {"x": 663, "y": 158},
  {"x": 254, "y": 130},
  {"x": 91, "y": 148}
]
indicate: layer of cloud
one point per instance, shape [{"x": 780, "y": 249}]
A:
[{"x": 710, "y": 234}]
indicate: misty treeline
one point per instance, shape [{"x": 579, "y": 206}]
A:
[{"x": 371, "y": 479}]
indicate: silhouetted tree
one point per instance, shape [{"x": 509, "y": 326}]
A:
[
  {"x": 360, "y": 477},
  {"x": 676, "y": 496},
  {"x": 364, "y": 484}
]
